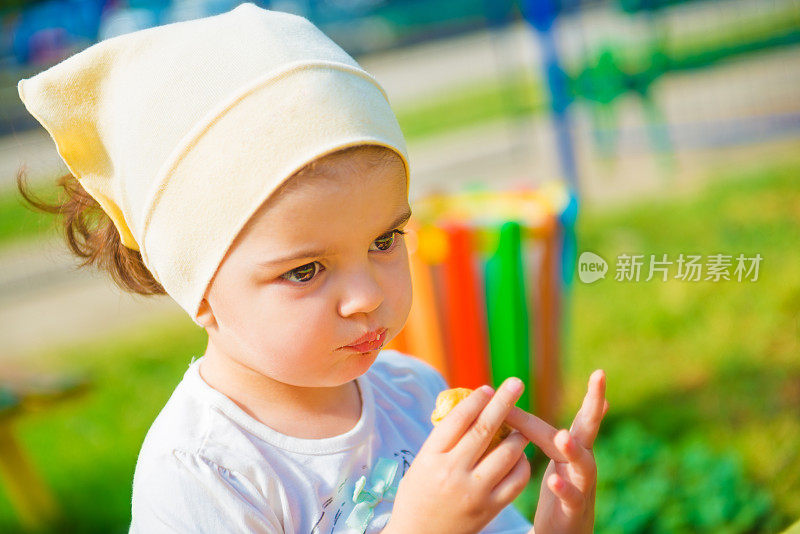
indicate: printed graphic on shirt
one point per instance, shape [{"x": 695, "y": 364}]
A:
[{"x": 355, "y": 509}]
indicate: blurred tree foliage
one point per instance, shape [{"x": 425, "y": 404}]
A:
[{"x": 10, "y": 6}]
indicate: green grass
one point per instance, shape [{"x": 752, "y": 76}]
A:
[
  {"x": 520, "y": 93},
  {"x": 87, "y": 448},
  {"x": 19, "y": 222},
  {"x": 716, "y": 362}
]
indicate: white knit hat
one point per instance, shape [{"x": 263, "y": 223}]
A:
[{"x": 182, "y": 131}]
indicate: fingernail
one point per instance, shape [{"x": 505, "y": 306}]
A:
[
  {"x": 486, "y": 389},
  {"x": 514, "y": 384}
]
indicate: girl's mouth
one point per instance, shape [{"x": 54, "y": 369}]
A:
[{"x": 367, "y": 346}]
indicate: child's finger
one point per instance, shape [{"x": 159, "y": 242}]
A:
[
  {"x": 580, "y": 460},
  {"x": 448, "y": 432},
  {"x": 587, "y": 421},
  {"x": 474, "y": 441},
  {"x": 539, "y": 432},
  {"x": 572, "y": 500}
]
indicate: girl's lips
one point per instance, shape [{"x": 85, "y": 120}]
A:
[{"x": 369, "y": 345}]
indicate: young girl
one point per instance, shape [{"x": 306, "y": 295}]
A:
[{"x": 250, "y": 169}]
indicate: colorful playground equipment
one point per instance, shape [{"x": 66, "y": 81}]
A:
[
  {"x": 603, "y": 72},
  {"x": 489, "y": 271}
]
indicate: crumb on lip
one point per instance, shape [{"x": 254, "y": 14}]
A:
[{"x": 380, "y": 334}]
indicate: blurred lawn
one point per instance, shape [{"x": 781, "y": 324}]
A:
[
  {"x": 18, "y": 222},
  {"x": 713, "y": 360},
  {"x": 719, "y": 361},
  {"x": 517, "y": 94}
]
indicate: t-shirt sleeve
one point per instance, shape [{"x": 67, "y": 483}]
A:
[{"x": 184, "y": 492}]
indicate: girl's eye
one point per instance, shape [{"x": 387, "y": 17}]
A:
[
  {"x": 305, "y": 273},
  {"x": 386, "y": 242}
]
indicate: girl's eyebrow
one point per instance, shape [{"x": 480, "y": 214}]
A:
[{"x": 403, "y": 217}]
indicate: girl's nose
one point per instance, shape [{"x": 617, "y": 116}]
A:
[{"x": 360, "y": 293}]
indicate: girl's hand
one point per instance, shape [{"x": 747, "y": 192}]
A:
[
  {"x": 452, "y": 486},
  {"x": 566, "y": 501}
]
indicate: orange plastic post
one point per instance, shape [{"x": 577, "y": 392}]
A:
[
  {"x": 422, "y": 331},
  {"x": 465, "y": 329},
  {"x": 547, "y": 376}
]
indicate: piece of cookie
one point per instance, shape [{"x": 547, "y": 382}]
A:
[{"x": 448, "y": 399}]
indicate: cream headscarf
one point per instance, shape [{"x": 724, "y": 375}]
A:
[{"x": 182, "y": 131}]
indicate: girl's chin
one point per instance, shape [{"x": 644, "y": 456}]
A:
[{"x": 364, "y": 360}]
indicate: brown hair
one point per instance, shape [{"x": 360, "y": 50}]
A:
[{"x": 91, "y": 234}]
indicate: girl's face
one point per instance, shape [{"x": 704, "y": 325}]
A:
[{"x": 314, "y": 270}]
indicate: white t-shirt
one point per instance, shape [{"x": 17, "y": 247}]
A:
[{"x": 206, "y": 466}]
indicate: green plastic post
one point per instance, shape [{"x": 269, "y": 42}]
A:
[{"x": 507, "y": 313}]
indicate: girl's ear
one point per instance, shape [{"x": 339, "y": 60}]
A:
[{"x": 205, "y": 316}]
